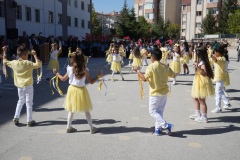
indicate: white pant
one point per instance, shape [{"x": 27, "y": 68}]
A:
[
  {"x": 144, "y": 60},
  {"x": 156, "y": 108},
  {"x": 25, "y": 96},
  {"x": 219, "y": 91}
]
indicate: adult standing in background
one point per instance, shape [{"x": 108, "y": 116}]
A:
[{"x": 238, "y": 49}]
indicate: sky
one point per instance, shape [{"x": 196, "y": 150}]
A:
[{"x": 107, "y": 6}]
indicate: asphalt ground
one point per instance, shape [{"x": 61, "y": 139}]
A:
[{"x": 126, "y": 128}]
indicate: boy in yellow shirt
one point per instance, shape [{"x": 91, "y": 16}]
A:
[
  {"x": 23, "y": 80},
  {"x": 157, "y": 75},
  {"x": 219, "y": 73}
]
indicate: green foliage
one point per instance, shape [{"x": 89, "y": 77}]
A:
[
  {"x": 209, "y": 24},
  {"x": 144, "y": 28},
  {"x": 173, "y": 30},
  {"x": 234, "y": 22},
  {"x": 96, "y": 24},
  {"x": 228, "y": 8}
]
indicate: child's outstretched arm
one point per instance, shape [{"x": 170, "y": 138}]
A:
[
  {"x": 140, "y": 74},
  {"x": 62, "y": 78},
  {"x": 37, "y": 63},
  {"x": 90, "y": 80}
]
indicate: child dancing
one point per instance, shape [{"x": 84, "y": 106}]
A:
[
  {"x": 23, "y": 80},
  {"x": 77, "y": 98},
  {"x": 202, "y": 85},
  {"x": 157, "y": 75}
]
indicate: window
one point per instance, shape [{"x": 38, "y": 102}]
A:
[
  {"x": 89, "y": 8},
  {"x": 149, "y": 15},
  {"x": 75, "y": 3},
  {"x": 75, "y": 22},
  {"x": 184, "y": 23},
  {"x": 50, "y": 17},
  {"x": 199, "y": 2},
  {"x": 69, "y": 21},
  {"x": 210, "y": 1},
  {"x": 1, "y": 9},
  {"x": 28, "y": 14},
  {"x": 198, "y": 25},
  {"x": 18, "y": 12},
  {"x": 82, "y": 5},
  {"x": 37, "y": 15},
  {"x": 149, "y": 6},
  {"x": 184, "y": 16},
  {"x": 212, "y": 10},
  {"x": 89, "y": 25},
  {"x": 59, "y": 18},
  {"x": 183, "y": 30},
  {"x": 184, "y": 7},
  {"x": 198, "y": 13},
  {"x": 83, "y": 25},
  {"x": 140, "y": 8}
]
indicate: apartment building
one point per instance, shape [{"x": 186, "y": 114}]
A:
[
  {"x": 108, "y": 21},
  {"x": 51, "y": 17},
  {"x": 193, "y": 13},
  {"x": 153, "y": 9}
]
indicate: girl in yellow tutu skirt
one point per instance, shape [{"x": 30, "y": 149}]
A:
[
  {"x": 202, "y": 85},
  {"x": 116, "y": 65},
  {"x": 137, "y": 58},
  {"x": 175, "y": 64},
  {"x": 109, "y": 55},
  {"x": 77, "y": 98},
  {"x": 185, "y": 58},
  {"x": 131, "y": 55},
  {"x": 53, "y": 62}
]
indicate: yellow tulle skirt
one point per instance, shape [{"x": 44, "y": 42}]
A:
[
  {"x": 53, "y": 64},
  {"x": 137, "y": 62},
  {"x": 175, "y": 66},
  {"x": 109, "y": 58},
  {"x": 77, "y": 99},
  {"x": 116, "y": 66},
  {"x": 164, "y": 59},
  {"x": 130, "y": 56},
  {"x": 226, "y": 79},
  {"x": 202, "y": 87},
  {"x": 185, "y": 59}
]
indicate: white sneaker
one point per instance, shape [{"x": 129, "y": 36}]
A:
[
  {"x": 174, "y": 83},
  {"x": 216, "y": 110},
  {"x": 226, "y": 106},
  {"x": 194, "y": 116},
  {"x": 201, "y": 120}
]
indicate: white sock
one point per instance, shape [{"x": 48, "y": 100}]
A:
[
  {"x": 112, "y": 74},
  {"x": 204, "y": 115},
  {"x": 69, "y": 122},
  {"x": 197, "y": 112},
  {"x": 89, "y": 119}
]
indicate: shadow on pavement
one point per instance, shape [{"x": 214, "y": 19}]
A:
[
  {"x": 233, "y": 90},
  {"x": 48, "y": 109},
  {"x": 206, "y": 131},
  {"x": 124, "y": 129}
]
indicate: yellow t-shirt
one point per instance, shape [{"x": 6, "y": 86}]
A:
[
  {"x": 22, "y": 71},
  {"x": 219, "y": 69},
  {"x": 157, "y": 74}
]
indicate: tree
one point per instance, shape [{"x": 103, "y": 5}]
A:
[
  {"x": 234, "y": 22},
  {"x": 173, "y": 31},
  {"x": 209, "y": 24},
  {"x": 127, "y": 25},
  {"x": 96, "y": 24},
  {"x": 158, "y": 28},
  {"x": 144, "y": 28},
  {"x": 229, "y": 6}
]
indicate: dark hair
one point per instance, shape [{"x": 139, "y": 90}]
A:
[
  {"x": 201, "y": 53},
  {"x": 156, "y": 54},
  {"x": 79, "y": 66},
  {"x": 21, "y": 51},
  {"x": 220, "y": 49},
  {"x": 136, "y": 52},
  {"x": 162, "y": 44}
]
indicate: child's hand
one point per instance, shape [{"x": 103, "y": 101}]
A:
[
  {"x": 33, "y": 52},
  {"x": 135, "y": 69},
  {"x": 54, "y": 71},
  {"x": 4, "y": 48},
  {"x": 100, "y": 73}
]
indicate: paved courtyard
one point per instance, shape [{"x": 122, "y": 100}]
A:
[{"x": 126, "y": 128}]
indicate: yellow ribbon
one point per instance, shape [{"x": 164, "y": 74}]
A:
[
  {"x": 141, "y": 87},
  {"x": 100, "y": 85},
  {"x": 57, "y": 87}
]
